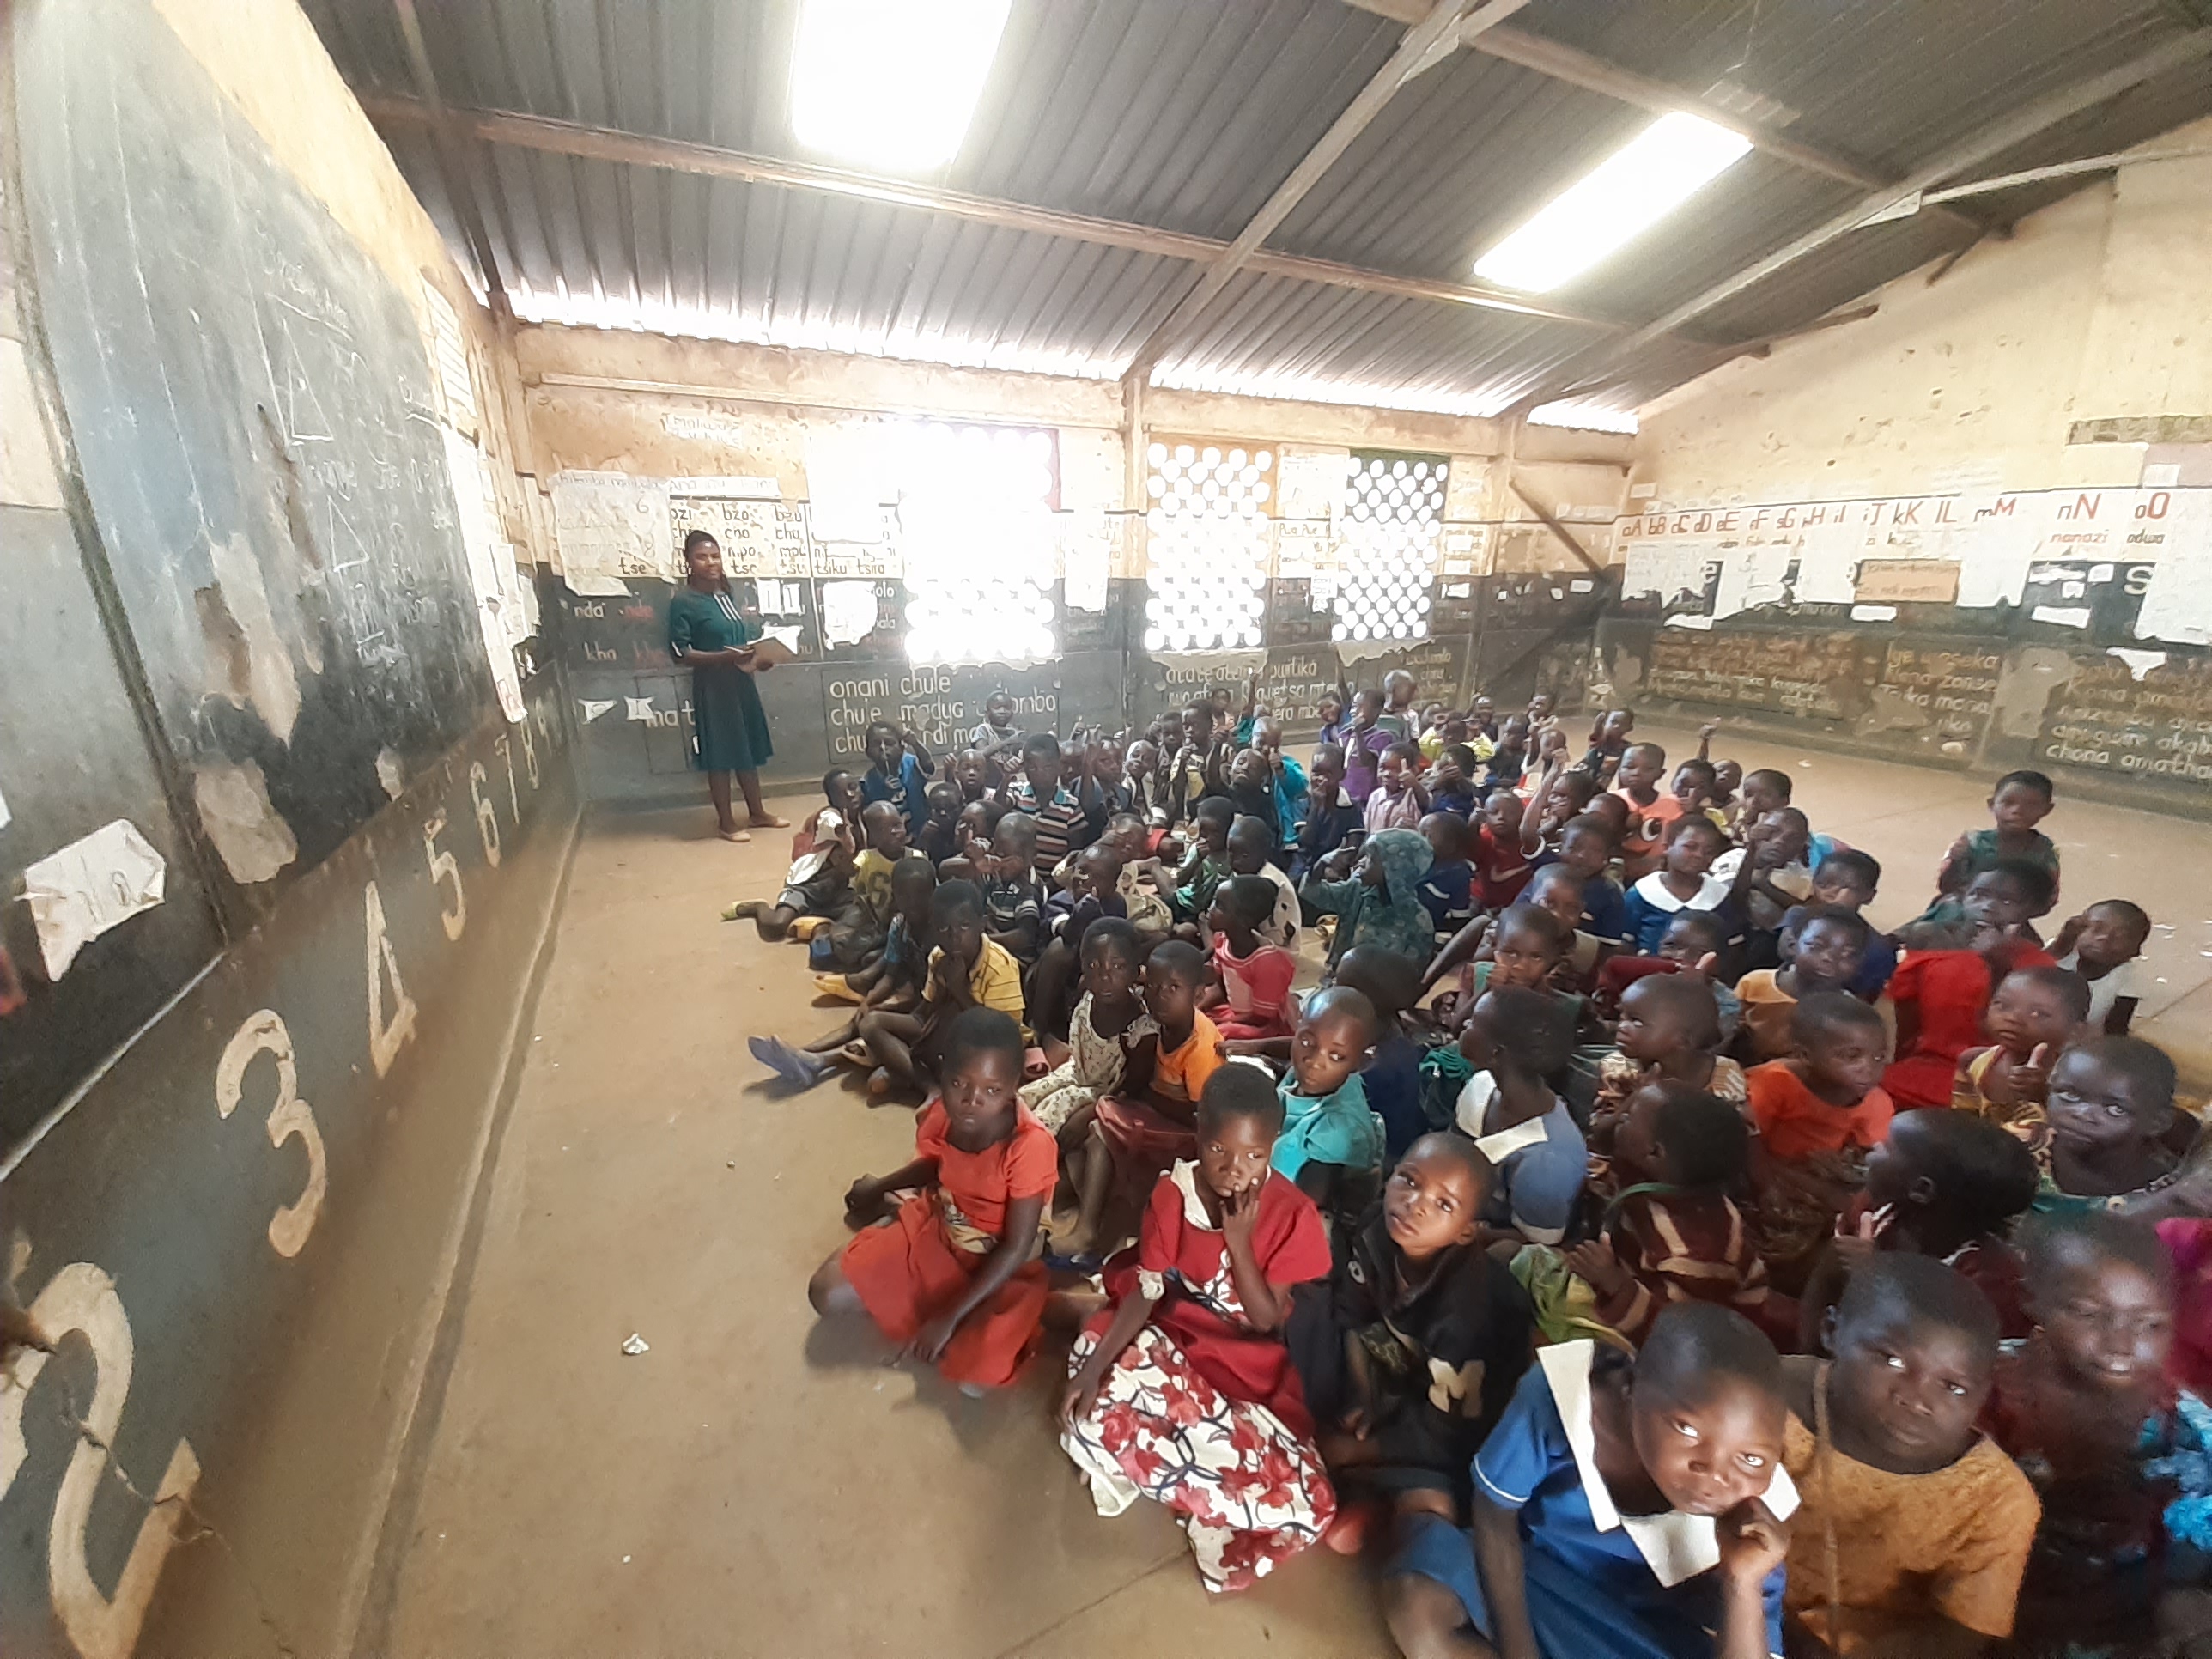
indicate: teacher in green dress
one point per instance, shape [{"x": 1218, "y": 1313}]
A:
[{"x": 730, "y": 731}]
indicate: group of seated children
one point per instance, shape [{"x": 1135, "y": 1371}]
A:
[{"x": 1636, "y": 1251}]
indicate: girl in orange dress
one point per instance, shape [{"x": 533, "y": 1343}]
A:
[{"x": 952, "y": 1274}]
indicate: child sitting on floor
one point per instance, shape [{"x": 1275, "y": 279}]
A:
[
  {"x": 864, "y": 920},
  {"x": 940, "y": 833},
  {"x": 1915, "y": 1527},
  {"x": 1185, "y": 1393},
  {"x": 1693, "y": 943},
  {"x": 1652, "y": 812},
  {"x": 1381, "y": 905},
  {"x": 1944, "y": 1185},
  {"x": 1108, "y": 1027},
  {"x": 1819, "y": 955},
  {"x": 1770, "y": 876},
  {"x": 1136, "y": 1135},
  {"x": 1448, "y": 889},
  {"x": 965, "y": 970},
  {"x": 1586, "y": 847},
  {"x": 1818, "y": 1114},
  {"x": 1251, "y": 852},
  {"x": 2033, "y": 1013},
  {"x": 1668, "y": 1032},
  {"x": 1410, "y": 1351},
  {"x": 2104, "y": 944},
  {"x": 1393, "y": 1078},
  {"x": 1331, "y": 1143},
  {"x": 1501, "y": 862},
  {"x": 2120, "y": 1457},
  {"x": 1670, "y": 1232},
  {"x": 1332, "y": 816},
  {"x": 1013, "y": 897},
  {"x": 822, "y": 854},
  {"x": 1398, "y": 800},
  {"x": 1683, "y": 881},
  {"x": 1526, "y": 944},
  {"x": 2110, "y": 1111},
  {"x": 1253, "y": 977},
  {"x": 1451, "y": 784},
  {"x": 1208, "y": 865},
  {"x": 1516, "y": 1040},
  {"x": 953, "y": 1276},
  {"x": 1940, "y": 990},
  {"x": 1846, "y": 880},
  {"x": 1631, "y": 1508},
  {"x": 2021, "y": 801}
]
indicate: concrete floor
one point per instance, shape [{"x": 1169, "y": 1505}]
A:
[{"x": 758, "y": 1485}]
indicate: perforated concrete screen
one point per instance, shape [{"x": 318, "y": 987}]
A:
[
  {"x": 1207, "y": 545},
  {"x": 1387, "y": 531}
]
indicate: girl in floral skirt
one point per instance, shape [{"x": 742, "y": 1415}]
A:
[{"x": 1184, "y": 1391}]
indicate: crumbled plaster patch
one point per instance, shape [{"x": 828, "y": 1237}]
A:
[
  {"x": 247, "y": 831},
  {"x": 247, "y": 662},
  {"x": 2025, "y": 688}
]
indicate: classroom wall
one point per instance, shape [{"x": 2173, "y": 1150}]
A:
[
  {"x": 288, "y": 789},
  {"x": 678, "y": 416},
  {"x": 1973, "y": 529}
]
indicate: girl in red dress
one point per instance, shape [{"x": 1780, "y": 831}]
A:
[
  {"x": 1254, "y": 976},
  {"x": 1184, "y": 1391},
  {"x": 1940, "y": 989},
  {"x": 953, "y": 1274}
]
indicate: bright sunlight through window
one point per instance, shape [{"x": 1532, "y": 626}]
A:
[
  {"x": 891, "y": 83},
  {"x": 1619, "y": 199}
]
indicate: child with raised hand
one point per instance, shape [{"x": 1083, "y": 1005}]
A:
[
  {"x": 1818, "y": 1114},
  {"x": 1693, "y": 944},
  {"x": 1091, "y": 893},
  {"x": 2033, "y": 1013},
  {"x": 1508, "y": 760},
  {"x": 1693, "y": 787},
  {"x": 998, "y": 737},
  {"x": 1013, "y": 897},
  {"x": 1820, "y": 954},
  {"x": 899, "y": 769},
  {"x": 1652, "y": 813},
  {"x": 1185, "y": 1393},
  {"x": 1668, "y": 1032},
  {"x": 1452, "y": 787},
  {"x": 1684, "y": 881},
  {"x": 1608, "y": 746},
  {"x": 2021, "y": 801},
  {"x": 1380, "y": 905},
  {"x": 1915, "y": 1527},
  {"x": 971, "y": 842},
  {"x": 1846, "y": 880},
  {"x": 1517, "y": 1041},
  {"x": 1527, "y": 945},
  {"x": 1671, "y": 1233},
  {"x": 1941, "y": 986},
  {"x": 1633, "y": 1509},
  {"x": 1138, "y": 1134},
  {"x": 1331, "y": 1142},
  {"x": 1363, "y": 742},
  {"x": 1448, "y": 889},
  {"x": 1943, "y": 1185},
  {"x": 1332, "y": 817},
  {"x": 1109, "y": 1026},
  {"x": 1207, "y": 865},
  {"x": 1410, "y": 1352},
  {"x": 1253, "y": 977},
  {"x": 2105, "y": 945},
  {"x": 1770, "y": 876},
  {"x": 2110, "y": 1103},
  {"x": 1398, "y": 801},
  {"x": 2118, "y": 1454},
  {"x": 821, "y": 863},
  {"x": 953, "y": 1276},
  {"x": 966, "y": 970}
]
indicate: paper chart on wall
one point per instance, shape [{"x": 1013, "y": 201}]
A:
[
  {"x": 1303, "y": 549},
  {"x": 2176, "y": 606},
  {"x": 848, "y": 611},
  {"x": 1827, "y": 564},
  {"x": 1310, "y": 482},
  {"x": 89, "y": 886},
  {"x": 757, "y": 538},
  {"x": 1675, "y": 571},
  {"x": 1086, "y": 543},
  {"x": 1750, "y": 577},
  {"x": 497, "y": 594},
  {"x": 609, "y": 526}
]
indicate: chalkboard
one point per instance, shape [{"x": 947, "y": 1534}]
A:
[
  {"x": 941, "y": 705},
  {"x": 1935, "y": 693},
  {"x": 2154, "y": 725},
  {"x": 1820, "y": 675},
  {"x": 250, "y": 397},
  {"x": 1292, "y": 619}
]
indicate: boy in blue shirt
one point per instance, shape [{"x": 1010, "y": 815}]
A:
[
  {"x": 899, "y": 770},
  {"x": 1331, "y": 1143}
]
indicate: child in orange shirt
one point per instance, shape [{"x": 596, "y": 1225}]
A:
[
  {"x": 1818, "y": 1114},
  {"x": 1826, "y": 952},
  {"x": 952, "y": 1274}
]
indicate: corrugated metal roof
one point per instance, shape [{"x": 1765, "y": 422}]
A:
[{"x": 1186, "y": 118}]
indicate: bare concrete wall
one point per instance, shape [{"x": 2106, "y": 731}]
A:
[{"x": 237, "y": 1130}]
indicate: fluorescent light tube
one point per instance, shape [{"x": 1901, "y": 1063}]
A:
[
  {"x": 1616, "y": 201},
  {"x": 891, "y": 83}
]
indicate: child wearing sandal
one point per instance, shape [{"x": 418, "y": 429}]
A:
[
  {"x": 952, "y": 1274},
  {"x": 1185, "y": 1393}
]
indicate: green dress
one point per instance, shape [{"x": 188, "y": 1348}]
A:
[{"x": 730, "y": 731}]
